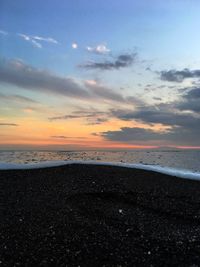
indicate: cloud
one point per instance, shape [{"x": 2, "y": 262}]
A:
[
  {"x": 96, "y": 121},
  {"x": 74, "y": 45},
  {"x": 190, "y": 101},
  {"x": 179, "y": 76},
  {"x": 92, "y": 116},
  {"x": 176, "y": 136},
  {"x": 134, "y": 134},
  {"x": 67, "y": 137},
  {"x": 17, "y": 73},
  {"x": 3, "y": 32},
  {"x": 99, "y": 49},
  {"x": 181, "y": 118},
  {"x": 59, "y": 137},
  {"x": 8, "y": 124},
  {"x": 34, "y": 39},
  {"x": 67, "y": 117},
  {"x": 48, "y": 39},
  {"x": 157, "y": 98},
  {"x": 17, "y": 98},
  {"x": 159, "y": 114},
  {"x": 136, "y": 101},
  {"x": 193, "y": 94},
  {"x": 30, "y": 39},
  {"x": 121, "y": 61},
  {"x": 104, "y": 92},
  {"x": 107, "y": 94},
  {"x": 23, "y": 103}
]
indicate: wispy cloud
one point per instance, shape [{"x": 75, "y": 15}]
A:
[
  {"x": 92, "y": 116},
  {"x": 48, "y": 39},
  {"x": 8, "y": 124},
  {"x": 3, "y": 32},
  {"x": 17, "y": 98},
  {"x": 35, "y": 40},
  {"x": 30, "y": 39},
  {"x": 67, "y": 137},
  {"x": 121, "y": 61},
  {"x": 99, "y": 49}
]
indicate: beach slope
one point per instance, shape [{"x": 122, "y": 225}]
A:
[{"x": 89, "y": 215}]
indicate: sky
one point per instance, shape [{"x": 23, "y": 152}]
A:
[{"x": 99, "y": 74}]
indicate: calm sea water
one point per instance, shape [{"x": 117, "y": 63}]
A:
[{"x": 179, "y": 159}]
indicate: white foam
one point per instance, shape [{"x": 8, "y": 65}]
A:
[{"x": 186, "y": 174}]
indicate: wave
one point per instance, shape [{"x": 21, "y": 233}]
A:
[{"x": 186, "y": 174}]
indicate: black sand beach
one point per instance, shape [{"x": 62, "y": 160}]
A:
[{"x": 82, "y": 215}]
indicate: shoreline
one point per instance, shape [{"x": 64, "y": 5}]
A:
[
  {"x": 97, "y": 215},
  {"x": 180, "y": 173}
]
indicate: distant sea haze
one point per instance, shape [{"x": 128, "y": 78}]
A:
[{"x": 179, "y": 159}]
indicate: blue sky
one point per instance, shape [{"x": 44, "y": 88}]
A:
[
  {"x": 156, "y": 28},
  {"x": 69, "y": 39}
]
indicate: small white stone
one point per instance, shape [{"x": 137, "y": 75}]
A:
[{"x": 120, "y": 211}]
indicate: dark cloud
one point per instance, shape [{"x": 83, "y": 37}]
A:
[
  {"x": 157, "y": 98},
  {"x": 179, "y": 76},
  {"x": 135, "y": 101},
  {"x": 121, "y": 61},
  {"x": 193, "y": 94},
  {"x": 19, "y": 74},
  {"x": 160, "y": 114},
  {"x": 8, "y": 124},
  {"x": 175, "y": 136},
  {"x": 127, "y": 134},
  {"x": 95, "y": 121},
  {"x": 27, "y": 77},
  {"x": 92, "y": 116},
  {"x": 183, "y": 127},
  {"x": 66, "y": 117},
  {"x": 191, "y": 101}
]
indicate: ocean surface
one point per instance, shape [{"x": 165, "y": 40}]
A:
[{"x": 178, "y": 159}]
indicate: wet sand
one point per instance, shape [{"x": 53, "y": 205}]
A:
[{"x": 87, "y": 215}]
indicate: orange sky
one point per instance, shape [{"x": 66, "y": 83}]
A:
[{"x": 93, "y": 76}]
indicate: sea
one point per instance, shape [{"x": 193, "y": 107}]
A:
[{"x": 181, "y": 159}]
